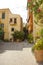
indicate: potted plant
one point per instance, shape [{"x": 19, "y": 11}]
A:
[{"x": 38, "y": 50}]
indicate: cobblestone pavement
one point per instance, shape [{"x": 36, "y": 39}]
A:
[{"x": 16, "y": 54}]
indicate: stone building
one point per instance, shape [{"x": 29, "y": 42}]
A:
[{"x": 10, "y": 23}]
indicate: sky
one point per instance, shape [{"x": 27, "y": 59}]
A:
[{"x": 16, "y": 7}]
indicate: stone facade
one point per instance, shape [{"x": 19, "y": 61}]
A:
[{"x": 11, "y": 22}]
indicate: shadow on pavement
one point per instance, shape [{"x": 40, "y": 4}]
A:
[
  {"x": 14, "y": 46},
  {"x": 40, "y": 63}
]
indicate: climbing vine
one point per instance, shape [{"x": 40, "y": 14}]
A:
[
  {"x": 35, "y": 8},
  {"x": 34, "y": 5}
]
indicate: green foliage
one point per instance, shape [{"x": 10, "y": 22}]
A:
[
  {"x": 18, "y": 35},
  {"x": 41, "y": 32},
  {"x": 34, "y": 5},
  {"x": 38, "y": 45},
  {"x": 30, "y": 38},
  {"x": 6, "y": 40},
  {"x": 1, "y": 33}
]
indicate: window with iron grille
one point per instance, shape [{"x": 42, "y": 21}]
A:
[
  {"x": 3, "y": 15},
  {"x": 10, "y": 19},
  {"x": 15, "y": 20}
]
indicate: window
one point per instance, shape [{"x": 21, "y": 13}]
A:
[
  {"x": 12, "y": 29},
  {"x": 15, "y": 20},
  {"x": 10, "y": 19},
  {"x": 3, "y": 15}
]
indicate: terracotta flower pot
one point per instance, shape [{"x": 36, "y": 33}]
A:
[{"x": 38, "y": 55}]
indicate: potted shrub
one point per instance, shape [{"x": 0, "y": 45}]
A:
[{"x": 38, "y": 50}]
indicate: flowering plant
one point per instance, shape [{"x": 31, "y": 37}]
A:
[{"x": 35, "y": 5}]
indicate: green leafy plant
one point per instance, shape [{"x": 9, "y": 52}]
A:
[
  {"x": 21, "y": 35},
  {"x": 34, "y": 5},
  {"x": 6, "y": 40},
  {"x": 38, "y": 45},
  {"x": 18, "y": 35},
  {"x": 1, "y": 34},
  {"x": 30, "y": 38},
  {"x": 41, "y": 33}
]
